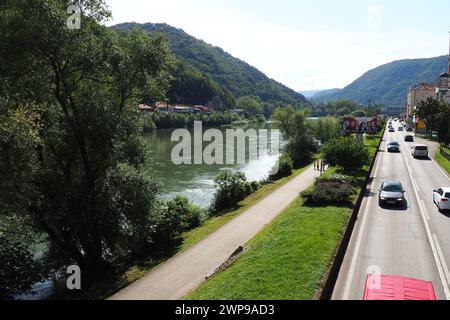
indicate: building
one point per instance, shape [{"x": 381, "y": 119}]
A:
[
  {"x": 419, "y": 93},
  {"x": 423, "y": 91},
  {"x": 174, "y": 108}
]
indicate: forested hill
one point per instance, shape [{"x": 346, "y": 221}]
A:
[
  {"x": 389, "y": 83},
  {"x": 203, "y": 67}
]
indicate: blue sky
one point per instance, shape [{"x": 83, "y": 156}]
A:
[{"x": 305, "y": 44}]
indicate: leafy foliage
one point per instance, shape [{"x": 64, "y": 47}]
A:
[
  {"x": 250, "y": 105},
  {"x": 324, "y": 129},
  {"x": 346, "y": 152},
  {"x": 332, "y": 190},
  {"x": 71, "y": 145},
  {"x": 168, "y": 120},
  {"x": 285, "y": 167},
  {"x": 19, "y": 268},
  {"x": 230, "y": 73},
  {"x": 301, "y": 145},
  {"x": 232, "y": 187},
  {"x": 190, "y": 216}
]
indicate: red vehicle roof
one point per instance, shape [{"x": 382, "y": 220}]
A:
[{"x": 384, "y": 287}]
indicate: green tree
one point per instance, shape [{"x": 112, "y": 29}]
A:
[
  {"x": 443, "y": 124},
  {"x": 232, "y": 187},
  {"x": 324, "y": 129},
  {"x": 301, "y": 145},
  {"x": 346, "y": 152},
  {"x": 250, "y": 104},
  {"x": 82, "y": 177},
  {"x": 428, "y": 110}
]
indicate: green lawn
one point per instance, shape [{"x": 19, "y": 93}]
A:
[
  {"x": 443, "y": 162},
  {"x": 287, "y": 260}
]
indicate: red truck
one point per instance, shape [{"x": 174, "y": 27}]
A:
[{"x": 386, "y": 287}]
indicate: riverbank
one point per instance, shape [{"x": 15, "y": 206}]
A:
[
  {"x": 187, "y": 270},
  {"x": 130, "y": 274},
  {"x": 290, "y": 257}
]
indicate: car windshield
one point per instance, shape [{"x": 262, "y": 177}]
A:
[
  {"x": 393, "y": 143},
  {"x": 447, "y": 195},
  {"x": 392, "y": 188},
  {"x": 421, "y": 148}
]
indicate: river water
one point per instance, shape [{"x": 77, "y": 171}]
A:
[{"x": 196, "y": 182}]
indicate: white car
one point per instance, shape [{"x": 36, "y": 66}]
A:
[
  {"x": 441, "y": 198},
  {"x": 419, "y": 151}
]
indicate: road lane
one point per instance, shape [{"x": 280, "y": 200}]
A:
[{"x": 395, "y": 241}]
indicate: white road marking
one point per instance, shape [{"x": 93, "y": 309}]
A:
[
  {"x": 351, "y": 271},
  {"x": 441, "y": 255},
  {"x": 439, "y": 167},
  {"x": 426, "y": 212},
  {"x": 437, "y": 259}
]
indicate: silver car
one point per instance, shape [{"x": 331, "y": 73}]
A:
[
  {"x": 391, "y": 193},
  {"x": 419, "y": 151}
]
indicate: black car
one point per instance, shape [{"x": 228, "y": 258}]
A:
[
  {"x": 409, "y": 129},
  {"x": 393, "y": 146},
  {"x": 391, "y": 193},
  {"x": 391, "y": 130},
  {"x": 409, "y": 138}
]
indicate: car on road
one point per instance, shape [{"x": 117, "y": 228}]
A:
[
  {"x": 419, "y": 151},
  {"x": 389, "y": 287},
  {"x": 393, "y": 146},
  {"x": 400, "y": 128},
  {"x": 409, "y": 138},
  {"x": 441, "y": 198},
  {"x": 409, "y": 129},
  {"x": 391, "y": 192},
  {"x": 391, "y": 129}
]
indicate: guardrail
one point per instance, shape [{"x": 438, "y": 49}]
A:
[
  {"x": 445, "y": 154},
  {"x": 333, "y": 273}
]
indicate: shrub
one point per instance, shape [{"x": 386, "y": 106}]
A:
[
  {"x": 333, "y": 190},
  {"x": 346, "y": 152},
  {"x": 189, "y": 215},
  {"x": 232, "y": 187},
  {"x": 285, "y": 166}
]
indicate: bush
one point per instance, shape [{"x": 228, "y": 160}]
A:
[
  {"x": 347, "y": 153},
  {"x": 232, "y": 187},
  {"x": 285, "y": 167},
  {"x": 333, "y": 190},
  {"x": 189, "y": 215},
  {"x": 19, "y": 268}
]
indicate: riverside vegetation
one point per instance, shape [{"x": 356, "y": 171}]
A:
[{"x": 74, "y": 180}]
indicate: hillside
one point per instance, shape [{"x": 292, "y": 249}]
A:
[
  {"x": 389, "y": 83},
  {"x": 215, "y": 67}
]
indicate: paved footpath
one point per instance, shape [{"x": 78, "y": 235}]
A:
[{"x": 185, "y": 271}]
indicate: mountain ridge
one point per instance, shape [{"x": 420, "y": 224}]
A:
[
  {"x": 388, "y": 84},
  {"x": 230, "y": 73}
]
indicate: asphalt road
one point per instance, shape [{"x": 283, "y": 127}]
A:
[{"x": 412, "y": 242}]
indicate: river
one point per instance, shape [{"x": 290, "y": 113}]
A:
[{"x": 196, "y": 182}]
